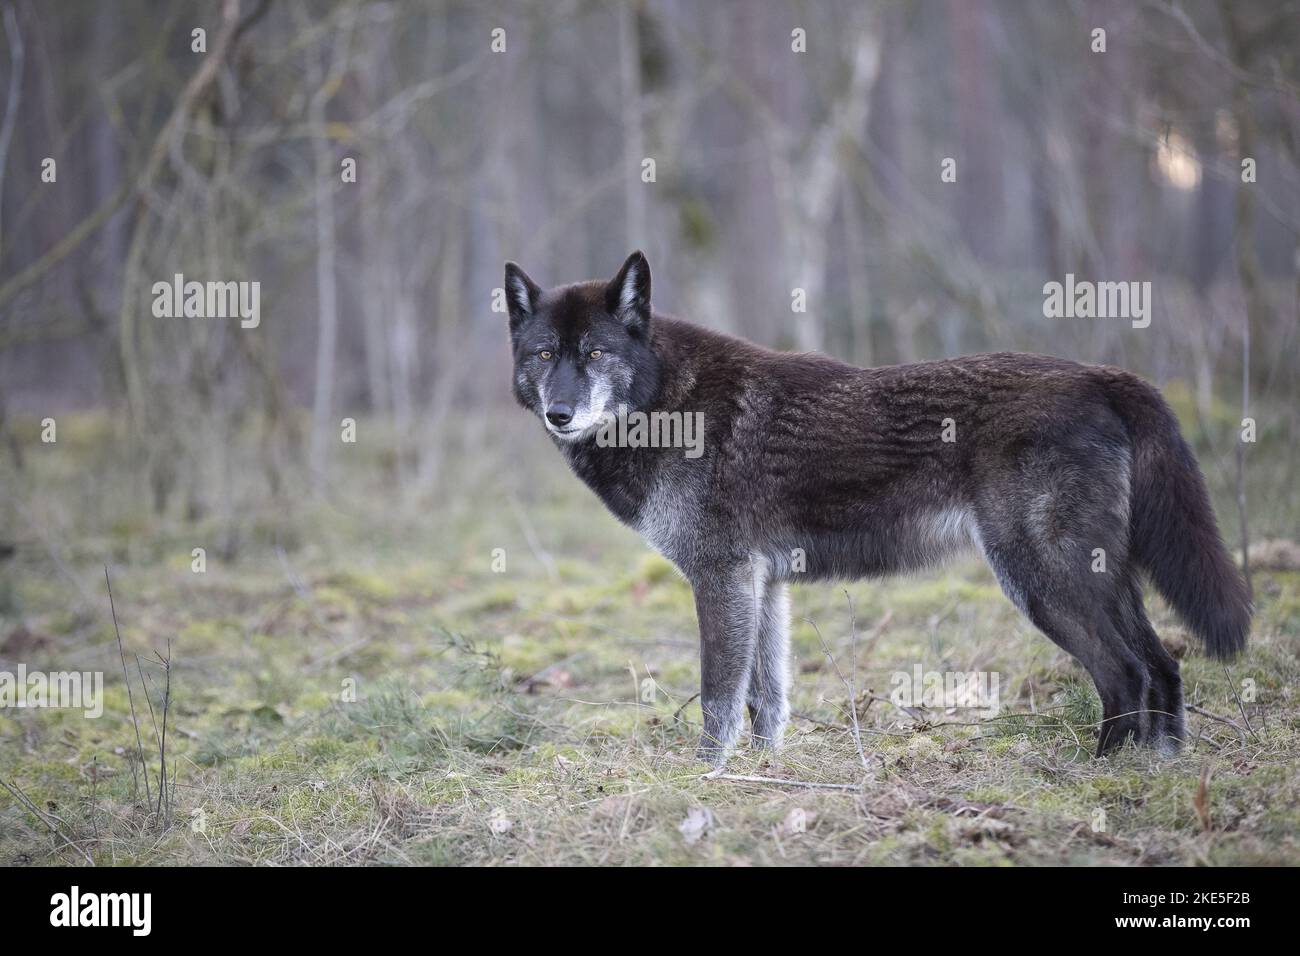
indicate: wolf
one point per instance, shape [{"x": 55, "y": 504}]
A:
[{"x": 1071, "y": 480}]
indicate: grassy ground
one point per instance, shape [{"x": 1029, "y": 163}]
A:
[{"x": 504, "y": 716}]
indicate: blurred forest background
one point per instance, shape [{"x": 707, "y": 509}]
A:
[
  {"x": 355, "y": 676},
  {"x": 773, "y": 170}
]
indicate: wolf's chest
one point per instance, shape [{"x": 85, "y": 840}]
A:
[
  {"x": 673, "y": 516},
  {"x": 659, "y": 494},
  {"x": 661, "y": 520}
]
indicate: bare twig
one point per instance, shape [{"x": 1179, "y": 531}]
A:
[
  {"x": 853, "y": 701},
  {"x": 850, "y": 683},
  {"x": 678, "y": 712},
  {"x": 532, "y": 680},
  {"x": 50, "y": 820},
  {"x": 139, "y": 744},
  {"x": 1241, "y": 731},
  {"x": 164, "y": 807},
  {"x": 1235, "y": 696},
  {"x": 94, "y": 795},
  {"x": 530, "y": 536}
]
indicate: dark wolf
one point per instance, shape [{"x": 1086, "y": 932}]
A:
[{"x": 1069, "y": 479}]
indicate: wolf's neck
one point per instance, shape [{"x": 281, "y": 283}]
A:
[
  {"x": 624, "y": 478},
  {"x": 647, "y": 380}
]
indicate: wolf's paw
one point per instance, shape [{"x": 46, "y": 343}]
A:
[
  {"x": 1168, "y": 746},
  {"x": 712, "y": 753},
  {"x": 767, "y": 725}
]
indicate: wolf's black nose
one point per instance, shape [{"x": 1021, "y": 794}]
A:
[{"x": 559, "y": 414}]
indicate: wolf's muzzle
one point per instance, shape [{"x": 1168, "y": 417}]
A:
[{"x": 559, "y": 414}]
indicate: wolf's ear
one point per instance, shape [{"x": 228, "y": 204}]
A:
[
  {"x": 522, "y": 294},
  {"x": 628, "y": 294}
]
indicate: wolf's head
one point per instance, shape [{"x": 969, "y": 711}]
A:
[{"x": 582, "y": 350}]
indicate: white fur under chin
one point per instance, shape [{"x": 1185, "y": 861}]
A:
[{"x": 571, "y": 435}]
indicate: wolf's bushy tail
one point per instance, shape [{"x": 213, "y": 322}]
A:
[{"x": 1173, "y": 534}]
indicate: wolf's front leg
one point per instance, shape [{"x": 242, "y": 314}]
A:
[
  {"x": 724, "y": 602},
  {"x": 768, "y": 681}
]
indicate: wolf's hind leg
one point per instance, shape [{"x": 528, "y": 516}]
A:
[
  {"x": 768, "y": 680},
  {"x": 1076, "y": 616},
  {"x": 724, "y": 603},
  {"x": 1056, "y": 531},
  {"x": 1165, "y": 695},
  {"x": 1122, "y": 679}
]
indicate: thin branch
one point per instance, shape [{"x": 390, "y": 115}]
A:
[
  {"x": 534, "y": 542},
  {"x": 129, "y": 696},
  {"x": 1241, "y": 731},
  {"x": 1235, "y": 696},
  {"x": 48, "y": 820}
]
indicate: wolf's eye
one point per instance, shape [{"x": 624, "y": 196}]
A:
[
  {"x": 596, "y": 353},
  {"x": 544, "y": 355}
]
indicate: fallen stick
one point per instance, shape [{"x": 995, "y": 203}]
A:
[
  {"x": 23, "y": 799},
  {"x": 810, "y": 784}
]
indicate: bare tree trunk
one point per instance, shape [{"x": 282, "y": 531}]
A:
[
  {"x": 376, "y": 237},
  {"x": 855, "y": 245},
  {"x": 326, "y": 247},
  {"x": 979, "y": 209},
  {"x": 806, "y": 186},
  {"x": 108, "y": 166},
  {"x": 327, "y": 298},
  {"x": 1258, "y": 311},
  {"x": 189, "y": 97},
  {"x": 15, "y": 40},
  {"x": 374, "y": 302},
  {"x": 403, "y": 345},
  {"x": 634, "y": 195},
  {"x": 449, "y": 378}
]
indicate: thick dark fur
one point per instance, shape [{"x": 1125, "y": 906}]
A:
[{"x": 807, "y": 459}]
